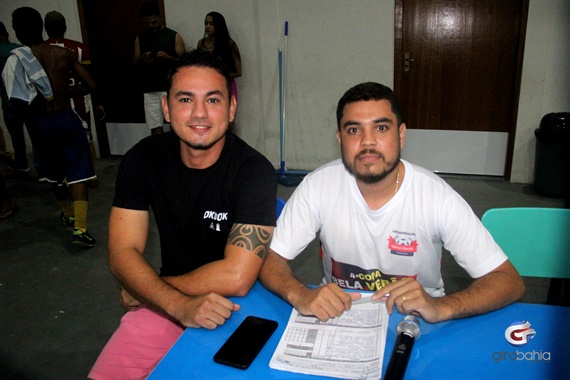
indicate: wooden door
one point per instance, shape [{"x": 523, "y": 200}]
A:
[
  {"x": 458, "y": 64},
  {"x": 109, "y": 29}
]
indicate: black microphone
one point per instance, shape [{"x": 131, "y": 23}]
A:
[{"x": 408, "y": 331}]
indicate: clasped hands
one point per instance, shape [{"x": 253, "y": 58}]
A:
[
  {"x": 150, "y": 57},
  {"x": 406, "y": 295},
  {"x": 208, "y": 311}
]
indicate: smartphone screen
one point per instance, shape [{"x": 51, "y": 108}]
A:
[{"x": 246, "y": 342}]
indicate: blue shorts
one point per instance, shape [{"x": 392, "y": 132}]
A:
[{"x": 62, "y": 146}]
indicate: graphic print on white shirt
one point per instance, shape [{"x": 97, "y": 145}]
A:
[{"x": 353, "y": 277}]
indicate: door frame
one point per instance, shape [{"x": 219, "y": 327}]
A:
[
  {"x": 100, "y": 125},
  {"x": 399, "y": 70}
]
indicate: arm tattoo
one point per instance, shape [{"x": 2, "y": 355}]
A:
[{"x": 250, "y": 237}]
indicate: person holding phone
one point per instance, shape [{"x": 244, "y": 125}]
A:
[
  {"x": 157, "y": 49},
  {"x": 213, "y": 198}
]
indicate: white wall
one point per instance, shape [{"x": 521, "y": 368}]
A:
[
  {"x": 332, "y": 45},
  {"x": 545, "y": 85}
]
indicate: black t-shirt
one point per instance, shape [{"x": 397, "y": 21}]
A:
[
  {"x": 196, "y": 209},
  {"x": 154, "y": 75}
]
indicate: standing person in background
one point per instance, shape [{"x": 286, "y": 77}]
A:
[
  {"x": 217, "y": 40},
  {"x": 55, "y": 26},
  {"x": 14, "y": 122},
  {"x": 157, "y": 50},
  {"x": 56, "y": 129},
  {"x": 6, "y": 48}
]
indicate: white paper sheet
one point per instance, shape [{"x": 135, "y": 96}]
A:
[{"x": 350, "y": 346}]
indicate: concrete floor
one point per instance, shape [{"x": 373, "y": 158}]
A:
[{"x": 59, "y": 303}]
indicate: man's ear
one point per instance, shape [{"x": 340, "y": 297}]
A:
[
  {"x": 402, "y": 135},
  {"x": 164, "y": 103},
  {"x": 233, "y": 108}
]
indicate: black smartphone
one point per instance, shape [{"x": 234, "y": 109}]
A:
[{"x": 245, "y": 343}]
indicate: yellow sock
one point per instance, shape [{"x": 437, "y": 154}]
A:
[
  {"x": 80, "y": 208},
  {"x": 66, "y": 207}
]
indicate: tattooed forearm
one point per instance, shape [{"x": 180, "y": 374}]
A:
[{"x": 250, "y": 237}]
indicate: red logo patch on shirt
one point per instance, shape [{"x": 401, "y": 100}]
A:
[{"x": 402, "y": 247}]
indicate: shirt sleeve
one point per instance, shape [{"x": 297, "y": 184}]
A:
[
  {"x": 256, "y": 191},
  {"x": 468, "y": 240},
  {"x": 299, "y": 222}
]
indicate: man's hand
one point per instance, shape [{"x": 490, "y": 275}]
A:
[
  {"x": 164, "y": 56},
  {"x": 409, "y": 297},
  {"x": 325, "y": 302},
  {"x": 147, "y": 57},
  {"x": 498, "y": 288},
  {"x": 208, "y": 311}
]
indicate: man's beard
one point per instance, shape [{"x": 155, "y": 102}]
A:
[
  {"x": 203, "y": 146},
  {"x": 370, "y": 178}
]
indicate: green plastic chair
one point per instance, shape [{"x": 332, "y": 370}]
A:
[{"x": 536, "y": 240}]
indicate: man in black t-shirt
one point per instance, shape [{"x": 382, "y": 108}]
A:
[{"x": 213, "y": 198}]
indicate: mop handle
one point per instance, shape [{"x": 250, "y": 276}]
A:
[
  {"x": 284, "y": 73},
  {"x": 283, "y": 78},
  {"x": 282, "y": 167}
]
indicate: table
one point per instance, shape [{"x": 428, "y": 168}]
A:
[{"x": 470, "y": 348}]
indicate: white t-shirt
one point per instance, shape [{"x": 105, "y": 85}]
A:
[{"x": 366, "y": 249}]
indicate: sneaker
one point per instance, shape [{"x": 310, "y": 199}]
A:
[
  {"x": 83, "y": 238},
  {"x": 70, "y": 221}
]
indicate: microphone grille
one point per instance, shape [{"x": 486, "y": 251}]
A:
[{"x": 410, "y": 325}]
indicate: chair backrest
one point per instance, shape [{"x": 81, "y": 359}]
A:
[
  {"x": 536, "y": 240},
  {"x": 280, "y": 205}
]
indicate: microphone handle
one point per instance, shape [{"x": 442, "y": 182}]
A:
[{"x": 400, "y": 357}]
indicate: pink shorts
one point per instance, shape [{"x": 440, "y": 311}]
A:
[{"x": 142, "y": 339}]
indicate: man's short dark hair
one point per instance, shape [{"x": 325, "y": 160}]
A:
[
  {"x": 28, "y": 25},
  {"x": 365, "y": 92},
  {"x": 202, "y": 58},
  {"x": 150, "y": 8},
  {"x": 54, "y": 24}
]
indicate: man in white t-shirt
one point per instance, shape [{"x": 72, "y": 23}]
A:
[{"x": 382, "y": 223}]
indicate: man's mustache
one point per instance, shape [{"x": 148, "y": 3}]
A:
[{"x": 369, "y": 151}]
